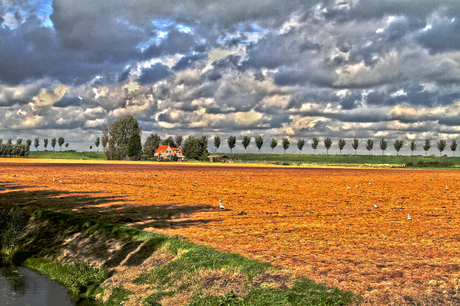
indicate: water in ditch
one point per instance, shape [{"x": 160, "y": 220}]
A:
[{"x": 21, "y": 287}]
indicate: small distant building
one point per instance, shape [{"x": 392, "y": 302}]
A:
[
  {"x": 218, "y": 158},
  {"x": 166, "y": 152}
]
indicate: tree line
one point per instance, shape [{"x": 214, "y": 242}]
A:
[
  {"x": 20, "y": 149},
  {"x": 398, "y": 144},
  {"x": 123, "y": 138}
]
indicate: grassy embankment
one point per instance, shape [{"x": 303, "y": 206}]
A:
[
  {"x": 79, "y": 253},
  {"x": 293, "y": 159}
]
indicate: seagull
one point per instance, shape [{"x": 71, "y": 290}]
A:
[
  {"x": 61, "y": 182},
  {"x": 220, "y": 205},
  {"x": 375, "y": 205},
  {"x": 196, "y": 182},
  {"x": 447, "y": 188},
  {"x": 146, "y": 175},
  {"x": 409, "y": 217},
  {"x": 356, "y": 186},
  {"x": 54, "y": 179},
  {"x": 248, "y": 177},
  {"x": 348, "y": 187},
  {"x": 370, "y": 183}
]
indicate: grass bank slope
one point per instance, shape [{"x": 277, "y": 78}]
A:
[{"x": 122, "y": 265}]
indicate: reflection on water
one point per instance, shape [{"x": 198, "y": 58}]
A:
[{"x": 19, "y": 286}]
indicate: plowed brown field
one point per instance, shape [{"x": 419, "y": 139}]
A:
[{"x": 303, "y": 219}]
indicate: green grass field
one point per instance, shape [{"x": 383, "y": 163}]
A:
[
  {"x": 346, "y": 159},
  {"x": 67, "y": 155},
  {"x": 292, "y": 159}
]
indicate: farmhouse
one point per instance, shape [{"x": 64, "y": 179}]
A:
[{"x": 166, "y": 152}]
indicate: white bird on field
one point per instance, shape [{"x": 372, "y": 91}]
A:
[
  {"x": 220, "y": 205},
  {"x": 61, "y": 182},
  {"x": 409, "y": 217},
  {"x": 54, "y": 179},
  {"x": 447, "y": 188},
  {"x": 348, "y": 187},
  {"x": 370, "y": 183},
  {"x": 375, "y": 205},
  {"x": 356, "y": 186}
]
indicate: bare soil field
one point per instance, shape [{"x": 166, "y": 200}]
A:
[{"x": 320, "y": 223}]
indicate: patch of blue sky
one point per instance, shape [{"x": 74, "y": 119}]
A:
[
  {"x": 183, "y": 28},
  {"x": 45, "y": 9}
]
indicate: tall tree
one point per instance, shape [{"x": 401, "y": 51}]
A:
[
  {"x": 1, "y": 141},
  {"x": 426, "y": 146},
  {"x": 195, "y": 148},
  {"x": 135, "y": 146},
  {"x": 369, "y": 145},
  {"x": 398, "y": 144},
  {"x": 66, "y": 146},
  {"x": 45, "y": 142},
  {"x": 169, "y": 141},
  {"x": 355, "y": 144},
  {"x": 121, "y": 131},
  {"x": 29, "y": 143},
  {"x": 36, "y": 143},
  {"x": 453, "y": 146},
  {"x": 90, "y": 148},
  {"x": 178, "y": 140},
  {"x": 105, "y": 137},
  {"x": 97, "y": 143},
  {"x": 217, "y": 143},
  {"x": 231, "y": 141},
  {"x": 259, "y": 140},
  {"x": 300, "y": 145},
  {"x": 314, "y": 144},
  {"x": 273, "y": 144},
  {"x": 413, "y": 147},
  {"x": 10, "y": 141},
  {"x": 245, "y": 142},
  {"x": 327, "y": 144},
  {"x": 383, "y": 145},
  {"x": 151, "y": 144},
  {"x": 342, "y": 143},
  {"x": 53, "y": 142},
  {"x": 286, "y": 143},
  {"x": 442, "y": 144},
  {"x": 19, "y": 141},
  {"x": 61, "y": 141},
  {"x": 204, "y": 139}
]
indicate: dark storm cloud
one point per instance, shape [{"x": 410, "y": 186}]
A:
[
  {"x": 370, "y": 9},
  {"x": 351, "y": 100},
  {"x": 65, "y": 102},
  {"x": 187, "y": 61},
  {"x": 442, "y": 37},
  {"x": 154, "y": 74}
]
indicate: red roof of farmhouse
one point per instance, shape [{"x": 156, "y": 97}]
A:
[{"x": 163, "y": 148}]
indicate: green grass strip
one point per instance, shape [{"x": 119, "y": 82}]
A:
[{"x": 78, "y": 277}]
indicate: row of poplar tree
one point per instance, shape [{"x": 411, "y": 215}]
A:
[
  {"x": 21, "y": 149},
  {"x": 398, "y": 144}
]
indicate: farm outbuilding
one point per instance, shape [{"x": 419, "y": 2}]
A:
[{"x": 218, "y": 158}]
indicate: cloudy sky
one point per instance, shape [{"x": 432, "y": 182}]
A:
[{"x": 280, "y": 68}]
